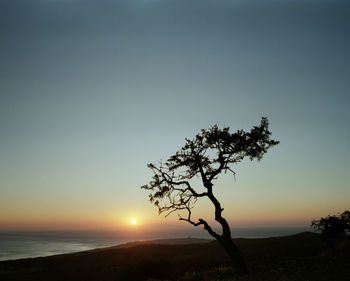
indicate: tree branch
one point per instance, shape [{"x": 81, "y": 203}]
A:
[{"x": 206, "y": 226}]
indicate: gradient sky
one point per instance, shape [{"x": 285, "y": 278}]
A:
[{"x": 92, "y": 91}]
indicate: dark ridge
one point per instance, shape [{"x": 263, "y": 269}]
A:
[{"x": 297, "y": 257}]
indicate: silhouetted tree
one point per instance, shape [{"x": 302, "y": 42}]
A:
[
  {"x": 333, "y": 227},
  {"x": 345, "y": 218},
  {"x": 210, "y": 153}
]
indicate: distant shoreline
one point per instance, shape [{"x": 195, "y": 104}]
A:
[{"x": 31, "y": 244}]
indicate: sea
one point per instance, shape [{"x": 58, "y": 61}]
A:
[{"x": 30, "y": 244}]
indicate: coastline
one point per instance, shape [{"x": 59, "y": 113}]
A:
[
  {"x": 301, "y": 257},
  {"x": 31, "y": 244}
]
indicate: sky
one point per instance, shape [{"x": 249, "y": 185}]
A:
[{"x": 92, "y": 91}]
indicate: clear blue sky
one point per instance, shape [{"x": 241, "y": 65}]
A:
[{"x": 92, "y": 91}]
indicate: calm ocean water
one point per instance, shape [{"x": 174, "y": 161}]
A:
[{"x": 27, "y": 244}]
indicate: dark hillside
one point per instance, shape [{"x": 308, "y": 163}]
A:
[{"x": 297, "y": 257}]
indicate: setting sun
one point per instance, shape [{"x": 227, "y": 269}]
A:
[{"x": 133, "y": 221}]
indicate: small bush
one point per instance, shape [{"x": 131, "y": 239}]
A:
[{"x": 333, "y": 228}]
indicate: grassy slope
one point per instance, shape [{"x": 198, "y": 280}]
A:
[{"x": 298, "y": 257}]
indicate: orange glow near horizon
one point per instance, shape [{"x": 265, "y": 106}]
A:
[{"x": 142, "y": 221}]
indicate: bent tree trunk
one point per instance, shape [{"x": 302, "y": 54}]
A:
[
  {"x": 235, "y": 254},
  {"x": 225, "y": 238}
]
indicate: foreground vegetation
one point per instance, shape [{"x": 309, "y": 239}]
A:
[{"x": 301, "y": 257}]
